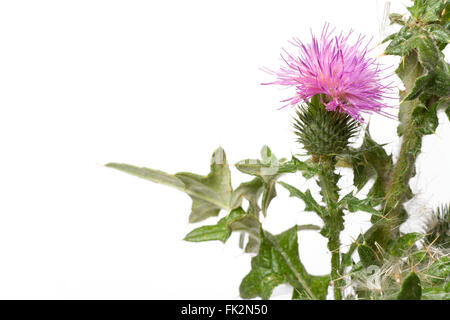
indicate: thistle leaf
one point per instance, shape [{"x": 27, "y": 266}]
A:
[
  {"x": 278, "y": 262},
  {"x": 269, "y": 169},
  {"x": 440, "y": 34},
  {"x": 308, "y": 168},
  {"x": 368, "y": 256},
  {"x": 251, "y": 191},
  {"x": 399, "y": 247},
  {"x": 411, "y": 288},
  {"x": 431, "y": 75},
  {"x": 220, "y": 231},
  {"x": 209, "y": 193},
  {"x": 428, "y": 10},
  {"x": 370, "y": 160},
  {"x": 310, "y": 203},
  {"x": 353, "y": 204},
  {"x": 150, "y": 174},
  {"x": 425, "y": 118},
  {"x": 251, "y": 225}
]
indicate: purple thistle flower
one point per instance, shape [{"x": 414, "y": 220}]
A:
[{"x": 350, "y": 81}]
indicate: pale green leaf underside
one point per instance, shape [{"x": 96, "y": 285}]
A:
[{"x": 209, "y": 193}]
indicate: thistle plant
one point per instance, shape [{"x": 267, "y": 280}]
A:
[{"x": 336, "y": 84}]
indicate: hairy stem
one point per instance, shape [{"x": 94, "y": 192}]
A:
[
  {"x": 397, "y": 189},
  {"x": 327, "y": 181}
]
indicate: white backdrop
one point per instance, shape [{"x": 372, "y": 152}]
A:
[{"x": 159, "y": 84}]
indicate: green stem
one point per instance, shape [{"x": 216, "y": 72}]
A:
[
  {"x": 397, "y": 184},
  {"x": 327, "y": 181},
  {"x": 333, "y": 246}
]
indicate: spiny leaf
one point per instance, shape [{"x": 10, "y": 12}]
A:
[
  {"x": 209, "y": 193},
  {"x": 439, "y": 34},
  {"x": 265, "y": 168},
  {"x": 251, "y": 191},
  {"x": 396, "y": 18},
  {"x": 411, "y": 288},
  {"x": 439, "y": 231},
  {"x": 318, "y": 285},
  {"x": 220, "y": 231},
  {"x": 376, "y": 194},
  {"x": 310, "y": 203},
  {"x": 399, "y": 45},
  {"x": 150, "y": 174},
  {"x": 424, "y": 43},
  {"x": 402, "y": 244},
  {"x": 428, "y": 10},
  {"x": 251, "y": 225},
  {"x": 278, "y": 262},
  {"x": 361, "y": 171},
  {"x": 368, "y": 161},
  {"x": 353, "y": 204},
  {"x": 269, "y": 170},
  {"x": 368, "y": 256},
  {"x": 425, "y": 118},
  {"x": 436, "y": 78},
  {"x": 216, "y": 186},
  {"x": 308, "y": 168}
]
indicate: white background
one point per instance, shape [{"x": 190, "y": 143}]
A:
[{"x": 159, "y": 84}]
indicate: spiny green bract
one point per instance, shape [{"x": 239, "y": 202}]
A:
[
  {"x": 323, "y": 132},
  {"x": 439, "y": 233}
]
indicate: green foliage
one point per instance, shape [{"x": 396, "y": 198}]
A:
[
  {"x": 404, "y": 243},
  {"x": 368, "y": 256},
  {"x": 278, "y": 262},
  {"x": 209, "y": 193},
  {"x": 151, "y": 175},
  {"x": 308, "y": 168},
  {"x": 437, "y": 293},
  {"x": 216, "y": 186},
  {"x": 370, "y": 161},
  {"x": 411, "y": 288},
  {"x": 438, "y": 273},
  {"x": 249, "y": 224},
  {"x": 353, "y": 204},
  {"x": 425, "y": 119},
  {"x": 268, "y": 170},
  {"x": 251, "y": 191},
  {"x": 220, "y": 231},
  {"x": 428, "y": 11},
  {"x": 444, "y": 104},
  {"x": 423, "y": 35},
  {"x": 310, "y": 203},
  {"x": 436, "y": 283}
]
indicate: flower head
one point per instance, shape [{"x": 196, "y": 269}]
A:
[{"x": 347, "y": 80}]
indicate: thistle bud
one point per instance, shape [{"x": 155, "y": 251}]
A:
[{"x": 323, "y": 132}]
